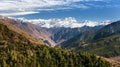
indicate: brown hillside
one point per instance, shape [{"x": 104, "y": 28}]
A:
[
  {"x": 18, "y": 33},
  {"x": 34, "y": 30}
]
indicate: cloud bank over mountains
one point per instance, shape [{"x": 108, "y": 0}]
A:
[
  {"x": 23, "y": 7},
  {"x": 68, "y": 22}
]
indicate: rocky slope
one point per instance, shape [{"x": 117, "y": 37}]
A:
[
  {"x": 15, "y": 34},
  {"x": 31, "y": 29}
]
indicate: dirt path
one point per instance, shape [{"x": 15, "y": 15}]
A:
[{"x": 115, "y": 61}]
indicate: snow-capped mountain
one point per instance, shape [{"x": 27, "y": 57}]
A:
[
  {"x": 56, "y": 31},
  {"x": 69, "y": 22}
]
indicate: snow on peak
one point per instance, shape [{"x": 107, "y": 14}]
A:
[{"x": 69, "y": 22}]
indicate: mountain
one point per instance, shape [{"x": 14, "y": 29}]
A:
[
  {"x": 104, "y": 41},
  {"x": 10, "y": 33},
  {"x": 51, "y": 36},
  {"x": 111, "y": 29},
  {"x": 64, "y": 29},
  {"x": 60, "y": 35},
  {"x": 66, "y": 23},
  {"x": 19, "y": 49},
  {"x": 31, "y": 29}
]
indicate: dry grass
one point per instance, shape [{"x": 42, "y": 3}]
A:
[
  {"x": 115, "y": 62},
  {"x": 17, "y": 30}
]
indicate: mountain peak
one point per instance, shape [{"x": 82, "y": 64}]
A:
[{"x": 68, "y": 22}]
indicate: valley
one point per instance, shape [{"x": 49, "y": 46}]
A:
[
  {"x": 76, "y": 39},
  {"x": 59, "y": 33},
  {"x": 19, "y": 49}
]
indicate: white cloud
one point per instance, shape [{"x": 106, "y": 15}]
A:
[
  {"x": 68, "y": 22},
  {"x": 11, "y": 7},
  {"x": 17, "y": 13}
]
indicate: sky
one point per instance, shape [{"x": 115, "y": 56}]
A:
[{"x": 95, "y": 10}]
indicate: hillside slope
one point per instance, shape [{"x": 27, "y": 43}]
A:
[
  {"x": 111, "y": 29},
  {"x": 34, "y": 30},
  {"x": 15, "y": 34},
  {"x": 104, "y": 42}
]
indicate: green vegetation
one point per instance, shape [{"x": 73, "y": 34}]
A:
[
  {"x": 104, "y": 42},
  {"x": 107, "y": 47},
  {"x": 17, "y": 51},
  {"x": 18, "y": 55}
]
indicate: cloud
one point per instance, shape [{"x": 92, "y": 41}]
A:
[
  {"x": 17, "y": 7},
  {"x": 17, "y": 13},
  {"x": 68, "y": 22}
]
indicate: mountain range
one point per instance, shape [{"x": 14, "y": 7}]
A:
[
  {"x": 69, "y": 22},
  {"x": 102, "y": 40},
  {"x": 20, "y": 49},
  {"x": 105, "y": 41},
  {"x": 55, "y": 35}
]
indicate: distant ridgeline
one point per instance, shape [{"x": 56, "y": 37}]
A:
[
  {"x": 17, "y": 50},
  {"x": 104, "y": 42}
]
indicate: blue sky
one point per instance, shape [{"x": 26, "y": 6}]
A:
[{"x": 96, "y": 10}]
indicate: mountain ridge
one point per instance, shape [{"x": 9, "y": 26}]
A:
[
  {"x": 69, "y": 22},
  {"x": 52, "y": 36},
  {"x": 34, "y": 30},
  {"x": 17, "y": 30},
  {"x": 107, "y": 46}
]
